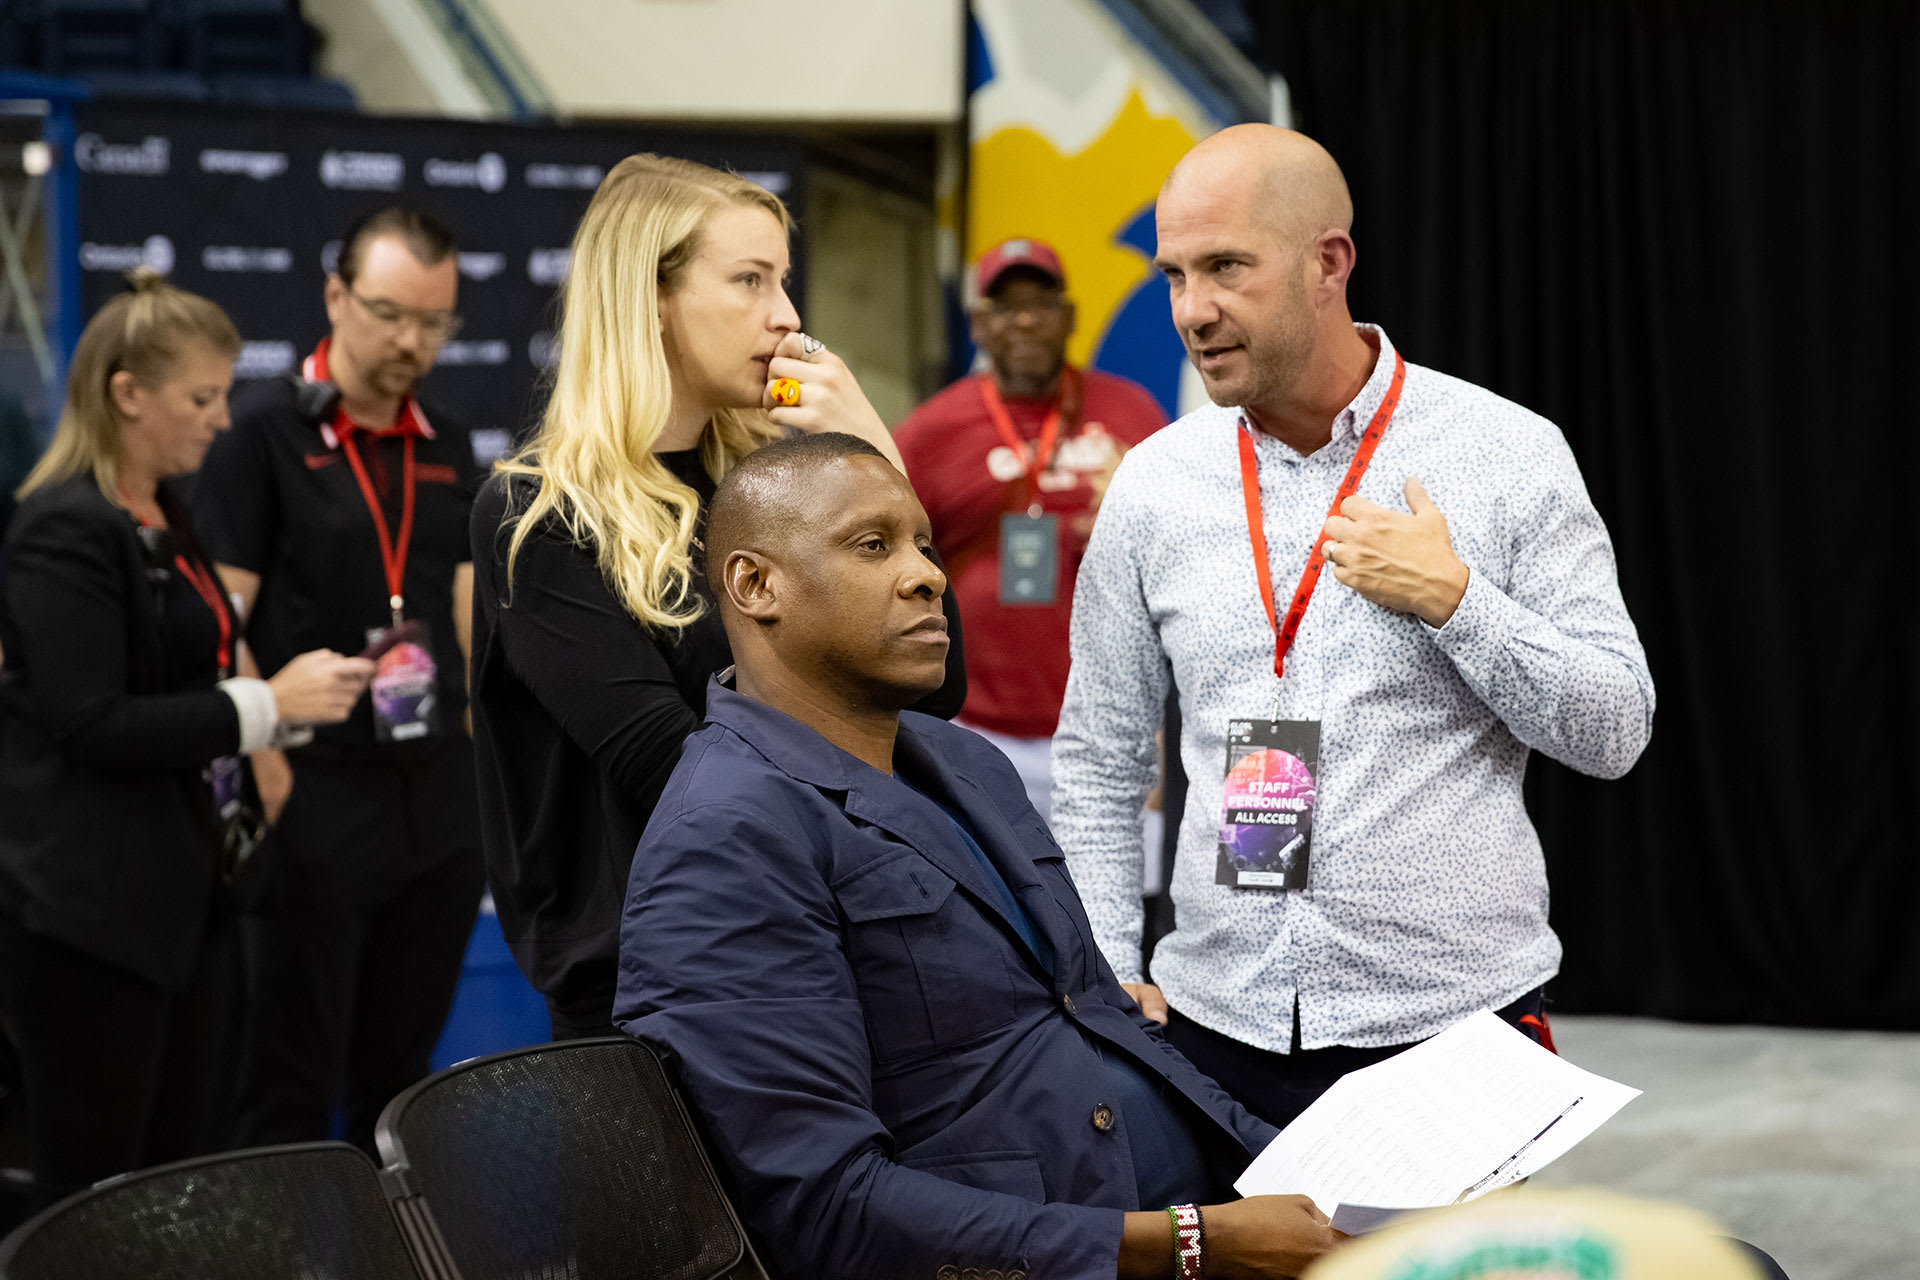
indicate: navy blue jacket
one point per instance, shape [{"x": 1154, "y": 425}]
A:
[{"x": 890, "y": 1080}]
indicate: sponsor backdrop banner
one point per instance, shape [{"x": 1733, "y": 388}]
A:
[{"x": 246, "y": 207}]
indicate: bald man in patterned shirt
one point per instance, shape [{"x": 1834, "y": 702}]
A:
[{"x": 1356, "y": 870}]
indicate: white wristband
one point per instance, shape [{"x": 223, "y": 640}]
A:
[{"x": 259, "y": 714}]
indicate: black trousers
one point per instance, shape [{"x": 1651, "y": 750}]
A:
[
  {"x": 118, "y": 1074},
  {"x": 588, "y": 1018},
  {"x": 1277, "y": 1087},
  {"x": 355, "y": 948}
]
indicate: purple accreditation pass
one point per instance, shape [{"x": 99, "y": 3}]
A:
[
  {"x": 1267, "y": 804},
  {"x": 405, "y": 682}
]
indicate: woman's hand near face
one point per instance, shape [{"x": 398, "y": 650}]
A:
[{"x": 830, "y": 397}]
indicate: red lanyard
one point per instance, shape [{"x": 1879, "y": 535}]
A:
[
  {"x": 1257, "y": 530},
  {"x": 1032, "y": 459},
  {"x": 208, "y": 590},
  {"x": 393, "y": 554}
]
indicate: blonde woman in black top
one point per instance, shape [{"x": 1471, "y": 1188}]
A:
[
  {"x": 123, "y": 730},
  {"x": 594, "y": 637}
]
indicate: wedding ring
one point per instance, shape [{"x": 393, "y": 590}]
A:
[
  {"x": 810, "y": 344},
  {"x": 784, "y": 392}
]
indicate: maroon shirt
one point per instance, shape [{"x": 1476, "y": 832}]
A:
[{"x": 1016, "y": 655}]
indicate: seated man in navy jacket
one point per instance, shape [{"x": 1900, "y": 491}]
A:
[{"x": 861, "y": 944}]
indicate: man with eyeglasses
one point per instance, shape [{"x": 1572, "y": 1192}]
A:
[
  {"x": 336, "y": 509},
  {"x": 1011, "y": 465}
]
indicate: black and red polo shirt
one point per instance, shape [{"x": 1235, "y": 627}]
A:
[{"x": 277, "y": 497}]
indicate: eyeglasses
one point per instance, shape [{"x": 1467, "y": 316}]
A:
[{"x": 434, "y": 326}]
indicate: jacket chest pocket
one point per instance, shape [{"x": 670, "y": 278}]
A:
[
  {"x": 932, "y": 969},
  {"x": 1051, "y": 866}
]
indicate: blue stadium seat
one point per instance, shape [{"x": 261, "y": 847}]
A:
[
  {"x": 154, "y": 86},
  {"x": 19, "y": 33},
  {"x": 313, "y": 93},
  {"x": 263, "y": 37},
  {"x": 78, "y": 36}
]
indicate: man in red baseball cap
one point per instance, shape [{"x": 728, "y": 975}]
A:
[{"x": 1011, "y": 464}]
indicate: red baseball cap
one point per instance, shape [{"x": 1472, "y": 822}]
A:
[{"x": 1035, "y": 255}]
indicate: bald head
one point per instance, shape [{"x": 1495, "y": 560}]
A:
[
  {"x": 822, "y": 559},
  {"x": 1275, "y": 176},
  {"x": 769, "y": 494},
  {"x": 1255, "y": 242}
]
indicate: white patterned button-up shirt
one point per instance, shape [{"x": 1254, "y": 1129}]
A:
[{"x": 1428, "y": 894}]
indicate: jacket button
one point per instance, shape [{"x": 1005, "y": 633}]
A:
[
  {"x": 971, "y": 1273},
  {"x": 947, "y": 1273},
  {"x": 1016, "y": 1274},
  {"x": 1066, "y": 1002},
  {"x": 1103, "y": 1117},
  {"x": 995, "y": 1273}
]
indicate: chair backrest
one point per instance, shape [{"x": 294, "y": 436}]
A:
[
  {"x": 570, "y": 1159},
  {"x": 275, "y": 1213}
]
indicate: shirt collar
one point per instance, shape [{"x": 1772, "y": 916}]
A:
[
  {"x": 802, "y": 752},
  {"x": 1353, "y": 419},
  {"x": 792, "y": 747},
  {"x": 411, "y": 422}
]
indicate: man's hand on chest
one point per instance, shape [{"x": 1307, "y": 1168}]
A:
[{"x": 1399, "y": 561}]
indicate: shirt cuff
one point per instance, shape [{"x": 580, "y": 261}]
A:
[
  {"x": 1467, "y": 617},
  {"x": 259, "y": 714}
]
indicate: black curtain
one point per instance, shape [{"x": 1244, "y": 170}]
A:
[{"x": 1686, "y": 233}]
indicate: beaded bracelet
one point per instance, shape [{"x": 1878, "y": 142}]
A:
[{"x": 1189, "y": 1242}]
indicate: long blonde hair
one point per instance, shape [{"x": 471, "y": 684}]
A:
[
  {"x": 145, "y": 332},
  {"x": 612, "y": 395}
]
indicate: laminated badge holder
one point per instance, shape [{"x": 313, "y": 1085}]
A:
[{"x": 1029, "y": 539}]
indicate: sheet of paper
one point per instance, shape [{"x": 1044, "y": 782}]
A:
[{"x": 1476, "y": 1108}]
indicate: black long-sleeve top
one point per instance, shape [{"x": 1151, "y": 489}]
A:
[
  {"x": 578, "y": 716},
  {"x": 109, "y": 714}
]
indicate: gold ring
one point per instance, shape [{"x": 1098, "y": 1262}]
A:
[{"x": 784, "y": 391}]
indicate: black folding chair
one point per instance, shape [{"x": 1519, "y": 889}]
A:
[
  {"x": 563, "y": 1160},
  {"x": 275, "y": 1213}
]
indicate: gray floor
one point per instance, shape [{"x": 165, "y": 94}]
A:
[{"x": 1805, "y": 1142}]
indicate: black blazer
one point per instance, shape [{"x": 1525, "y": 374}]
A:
[{"x": 108, "y": 842}]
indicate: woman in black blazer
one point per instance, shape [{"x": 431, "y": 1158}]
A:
[{"x": 122, "y": 733}]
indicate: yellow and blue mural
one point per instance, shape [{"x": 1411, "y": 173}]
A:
[{"x": 1073, "y": 124}]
